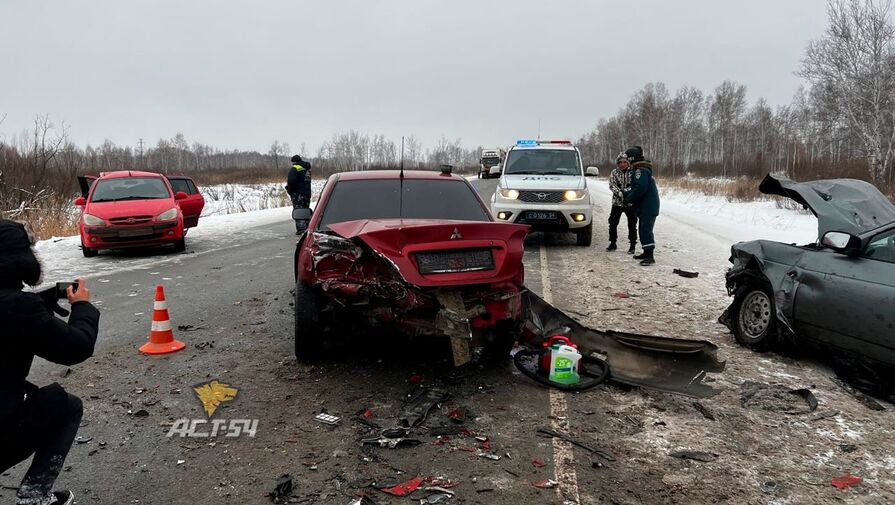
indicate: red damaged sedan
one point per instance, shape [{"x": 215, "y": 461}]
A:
[
  {"x": 136, "y": 209},
  {"x": 417, "y": 252}
]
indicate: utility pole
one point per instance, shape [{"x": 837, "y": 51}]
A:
[{"x": 140, "y": 147}]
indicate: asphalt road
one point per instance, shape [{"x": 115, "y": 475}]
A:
[
  {"x": 239, "y": 301},
  {"x": 235, "y": 306}
]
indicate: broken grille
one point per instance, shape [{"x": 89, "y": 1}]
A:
[
  {"x": 457, "y": 260},
  {"x": 541, "y": 196}
]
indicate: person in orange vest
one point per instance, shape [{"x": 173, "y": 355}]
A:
[{"x": 42, "y": 421}]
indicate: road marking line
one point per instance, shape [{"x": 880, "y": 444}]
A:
[{"x": 563, "y": 455}]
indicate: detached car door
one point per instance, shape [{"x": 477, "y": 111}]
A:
[
  {"x": 846, "y": 302},
  {"x": 194, "y": 203}
]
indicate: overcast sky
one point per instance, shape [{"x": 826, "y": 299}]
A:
[{"x": 241, "y": 74}]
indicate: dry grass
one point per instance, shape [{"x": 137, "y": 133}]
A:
[
  {"x": 46, "y": 223},
  {"x": 743, "y": 189},
  {"x": 240, "y": 176}
]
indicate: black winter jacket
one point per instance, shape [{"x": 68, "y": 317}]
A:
[
  {"x": 299, "y": 179},
  {"x": 28, "y": 329}
]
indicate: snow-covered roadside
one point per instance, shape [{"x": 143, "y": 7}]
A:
[
  {"x": 233, "y": 198},
  {"x": 726, "y": 220}
]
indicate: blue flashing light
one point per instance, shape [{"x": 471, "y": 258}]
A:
[{"x": 526, "y": 142}]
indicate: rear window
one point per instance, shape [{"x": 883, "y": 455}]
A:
[
  {"x": 423, "y": 199},
  {"x": 184, "y": 185},
  {"x": 130, "y": 188}
]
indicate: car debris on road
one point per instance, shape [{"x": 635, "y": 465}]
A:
[{"x": 670, "y": 365}]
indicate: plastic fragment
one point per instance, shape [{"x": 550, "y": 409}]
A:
[
  {"x": 847, "y": 480},
  {"x": 404, "y": 488}
]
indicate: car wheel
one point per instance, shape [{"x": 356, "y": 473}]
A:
[
  {"x": 180, "y": 245},
  {"x": 584, "y": 236},
  {"x": 755, "y": 318},
  {"x": 88, "y": 252},
  {"x": 308, "y": 329}
]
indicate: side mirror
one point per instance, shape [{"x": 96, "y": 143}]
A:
[
  {"x": 301, "y": 214},
  {"x": 180, "y": 195},
  {"x": 592, "y": 172},
  {"x": 842, "y": 242},
  {"x": 80, "y": 201}
]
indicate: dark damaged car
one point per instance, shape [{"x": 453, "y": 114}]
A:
[
  {"x": 837, "y": 294},
  {"x": 418, "y": 253}
]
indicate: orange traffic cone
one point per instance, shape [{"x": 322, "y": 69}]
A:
[{"x": 161, "y": 338}]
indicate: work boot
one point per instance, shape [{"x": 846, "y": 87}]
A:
[
  {"x": 641, "y": 256},
  {"x": 631, "y": 248},
  {"x": 648, "y": 258},
  {"x": 612, "y": 246}
]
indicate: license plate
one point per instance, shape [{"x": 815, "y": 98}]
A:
[
  {"x": 135, "y": 232},
  {"x": 465, "y": 260},
  {"x": 541, "y": 216}
]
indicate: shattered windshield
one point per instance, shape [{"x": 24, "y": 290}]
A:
[
  {"x": 543, "y": 162},
  {"x": 423, "y": 199},
  {"x": 130, "y": 188}
]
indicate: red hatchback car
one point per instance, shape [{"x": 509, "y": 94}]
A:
[
  {"x": 136, "y": 209},
  {"x": 419, "y": 253}
]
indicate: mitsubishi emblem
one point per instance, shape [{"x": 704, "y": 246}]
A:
[{"x": 456, "y": 235}]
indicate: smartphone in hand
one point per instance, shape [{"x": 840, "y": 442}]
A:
[{"x": 62, "y": 289}]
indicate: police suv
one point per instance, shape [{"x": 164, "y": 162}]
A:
[{"x": 543, "y": 185}]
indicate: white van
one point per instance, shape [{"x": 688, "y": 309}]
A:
[{"x": 543, "y": 185}]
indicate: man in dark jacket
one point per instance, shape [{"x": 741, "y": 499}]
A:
[
  {"x": 298, "y": 185},
  {"x": 39, "y": 421},
  {"x": 618, "y": 183},
  {"x": 644, "y": 195}
]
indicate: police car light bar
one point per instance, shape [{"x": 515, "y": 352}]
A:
[{"x": 531, "y": 143}]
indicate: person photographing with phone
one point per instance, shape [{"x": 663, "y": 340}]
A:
[{"x": 40, "y": 421}]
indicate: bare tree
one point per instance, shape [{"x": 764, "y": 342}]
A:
[
  {"x": 277, "y": 150},
  {"x": 855, "y": 65}
]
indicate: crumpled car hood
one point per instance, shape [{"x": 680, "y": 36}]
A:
[{"x": 846, "y": 205}]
